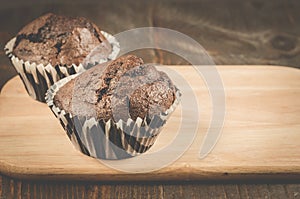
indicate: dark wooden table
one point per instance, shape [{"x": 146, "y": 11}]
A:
[{"x": 233, "y": 32}]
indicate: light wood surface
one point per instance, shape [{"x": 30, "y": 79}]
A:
[{"x": 260, "y": 136}]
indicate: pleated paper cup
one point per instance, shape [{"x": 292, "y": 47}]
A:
[
  {"x": 38, "y": 78},
  {"x": 108, "y": 139}
]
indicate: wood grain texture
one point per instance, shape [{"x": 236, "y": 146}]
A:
[
  {"x": 233, "y": 31},
  {"x": 260, "y": 137},
  {"x": 68, "y": 189}
]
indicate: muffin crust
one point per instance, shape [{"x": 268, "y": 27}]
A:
[
  {"x": 122, "y": 89},
  {"x": 59, "y": 40}
]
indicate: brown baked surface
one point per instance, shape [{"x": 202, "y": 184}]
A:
[
  {"x": 59, "y": 40},
  {"x": 122, "y": 89}
]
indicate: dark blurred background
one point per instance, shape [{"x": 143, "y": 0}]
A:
[{"x": 232, "y": 31}]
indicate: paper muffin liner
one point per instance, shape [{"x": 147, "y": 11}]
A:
[
  {"x": 109, "y": 140},
  {"x": 38, "y": 78}
]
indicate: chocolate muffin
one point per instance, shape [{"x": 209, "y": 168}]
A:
[
  {"x": 53, "y": 47},
  {"x": 114, "y": 110},
  {"x": 59, "y": 40},
  {"x": 122, "y": 89}
]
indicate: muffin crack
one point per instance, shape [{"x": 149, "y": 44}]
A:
[{"x": 58, "y": 46}]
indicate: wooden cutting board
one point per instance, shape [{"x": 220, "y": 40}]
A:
[{"x": 260, "y": 138}]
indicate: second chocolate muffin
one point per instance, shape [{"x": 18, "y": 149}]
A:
[
  {"x": 59, "y": 40},
  {"x": 53, "y": 47}
]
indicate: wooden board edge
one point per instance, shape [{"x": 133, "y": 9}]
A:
[{"x": 165, "y": 174}]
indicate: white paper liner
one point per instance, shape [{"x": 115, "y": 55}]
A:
[
  {"x": 38, "y": 78},
  {"x": 109, "y": 140}
]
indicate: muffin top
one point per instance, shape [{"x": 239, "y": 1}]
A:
[
  {"x": 122, "y": 89},
  {"x": 59, "y": 40}
]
